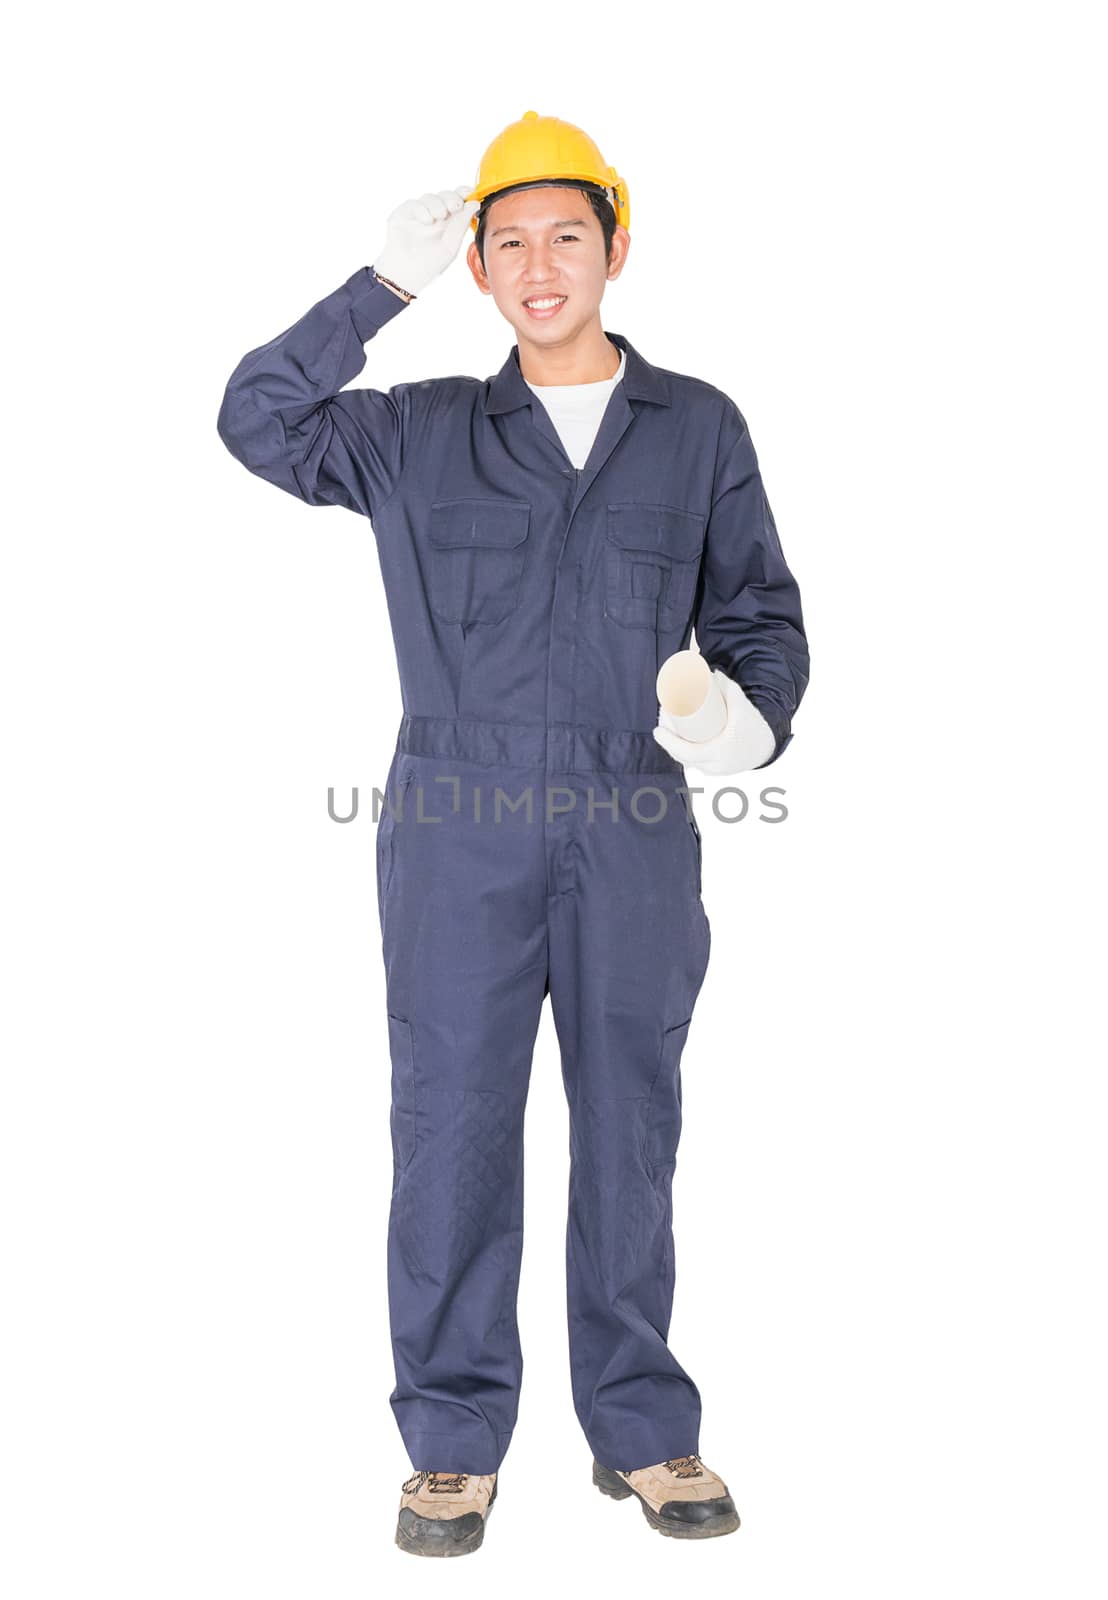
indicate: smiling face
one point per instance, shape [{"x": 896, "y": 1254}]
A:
[{"x": 547, "y": 244}]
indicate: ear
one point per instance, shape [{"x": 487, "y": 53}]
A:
[
  {"x": 473, "y": 261},
  {"x": 621, "y": 244}
]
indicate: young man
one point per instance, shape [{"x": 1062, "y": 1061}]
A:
[{"x": 547, "y": 539}]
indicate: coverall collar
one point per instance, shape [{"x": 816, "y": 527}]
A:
[{"x": 641, "y": 381}]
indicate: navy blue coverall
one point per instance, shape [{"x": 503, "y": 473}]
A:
[{"x": 531, "y": 606}]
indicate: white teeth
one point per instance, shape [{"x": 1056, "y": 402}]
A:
[{"x": 544, "y": 305}]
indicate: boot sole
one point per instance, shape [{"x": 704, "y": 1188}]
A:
[{"x": 611, "y": 1484}]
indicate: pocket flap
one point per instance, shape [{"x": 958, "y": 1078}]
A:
[
  {"x": 663, "y": 529},
  {"x": 461, "y": 523}
]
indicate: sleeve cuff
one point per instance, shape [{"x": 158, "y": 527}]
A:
[
  {"x": 371, "y": 304},
  {"x": 780, "y": 723}
]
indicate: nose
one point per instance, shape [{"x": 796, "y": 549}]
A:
[{"x": 539, "y": 272}]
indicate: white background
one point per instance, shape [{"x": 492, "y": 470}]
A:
[{"x": 876, "y": 229}]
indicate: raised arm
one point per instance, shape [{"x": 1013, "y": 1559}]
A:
[
  {"x": 283, "y": 417},
  {"x": 282, "y": 414}
]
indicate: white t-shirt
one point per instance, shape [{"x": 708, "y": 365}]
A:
[{"x": 577, "y": 410}]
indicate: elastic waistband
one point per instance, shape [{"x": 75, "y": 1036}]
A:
[{"x": 557, "y": 747}]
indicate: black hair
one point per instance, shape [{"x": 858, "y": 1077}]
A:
[{"x": 602, "y": 206}]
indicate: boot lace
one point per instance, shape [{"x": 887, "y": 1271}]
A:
[
  {"x": 437, "y": 1482},
  {"x": 686, "y": 1466}
]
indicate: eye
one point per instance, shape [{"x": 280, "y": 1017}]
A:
[{"x": 573, "y": 236}]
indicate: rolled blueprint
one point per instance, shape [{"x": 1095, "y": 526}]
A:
[{"x": 691, "y": 698}]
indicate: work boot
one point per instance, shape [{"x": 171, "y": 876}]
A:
[
  {"x": 682, "y": 1497},
  {"x": 443, "y": 1513}
]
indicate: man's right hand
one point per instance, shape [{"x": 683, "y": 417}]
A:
[{"x": 424, "y": 236}]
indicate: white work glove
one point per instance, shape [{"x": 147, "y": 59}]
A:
[
  {"x": 745, "y": 741},
  {"x": 423, "y": 237}
]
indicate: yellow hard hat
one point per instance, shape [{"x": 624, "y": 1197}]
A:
[{"x": 541, "y": 151}]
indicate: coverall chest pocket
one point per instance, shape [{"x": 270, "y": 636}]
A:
[
  {"x": 478, "y": 549},
  {"x": 653, "y": 556}
]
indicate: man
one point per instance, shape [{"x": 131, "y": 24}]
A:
[{"x": 547, "y": 539}]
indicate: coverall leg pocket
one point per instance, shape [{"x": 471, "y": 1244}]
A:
[
  {"x": 392, "y": 811},
  {"x": 402, "y": 1118},
  {"x": 663, "y": 1115}
]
